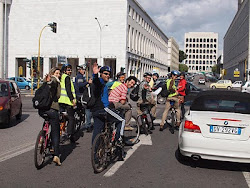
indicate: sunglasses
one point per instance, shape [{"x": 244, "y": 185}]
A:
[
  {"x": 69, "y": 70},
  {"x": 108, "y": 74}
]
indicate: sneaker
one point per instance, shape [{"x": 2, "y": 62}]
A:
[
  {"x": 56, "y": 160},
  {"x": 128, "y": 128},
  {"x": 89, "y": 130},
  {"x": 161, "y": 129},
  {"x": 152, "y": 128}
]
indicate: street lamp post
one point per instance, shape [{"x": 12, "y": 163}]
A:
[
  {"x": 5, "y": 40},
  {"x": 53, "y": 29},
  {"x": 101, "y": 27}
]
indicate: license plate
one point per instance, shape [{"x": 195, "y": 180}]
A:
[{"x": 225, "y": 130}]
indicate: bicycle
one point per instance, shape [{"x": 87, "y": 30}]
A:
[
  {"x": 173, "y": 117},
  {"x": 43, "y": 146},
  {"x": 105, "y": 148},
  {"x": 145, "y": 119},
  {"x": 131, "y": 137},
  {"x": 79, "y": 120}
]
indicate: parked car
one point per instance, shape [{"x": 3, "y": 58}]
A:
[
  {"x": 237, "y": 84},
  {"x": 202, "y": 81},
  {"x": 10, "y": 101},
  {"x": 226, "y": 84},
  {"x": 246, "y": 88},
  {"x": 217, "y": 127},
  {"x": 193, "y": 91},
  {"x": 22, "y": 83}
]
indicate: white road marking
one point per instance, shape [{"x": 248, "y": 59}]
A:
[
  {"x": 16, "y": 151},
  {"x": 144, "y": 140},
  {"x": 247, "y": 177}
]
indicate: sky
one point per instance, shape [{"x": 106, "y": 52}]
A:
[{"x": 177, "y": 17}]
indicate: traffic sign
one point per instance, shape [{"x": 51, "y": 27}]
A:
[{"x": 237, "y": 74}]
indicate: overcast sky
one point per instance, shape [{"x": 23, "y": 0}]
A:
[{"x": 177, "y": 17}]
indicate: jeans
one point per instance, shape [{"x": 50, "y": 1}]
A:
[
  {"x": 55, "y": 128},
  {"x": 99, "y": 122},
  {"x": 88, "y": 118}
]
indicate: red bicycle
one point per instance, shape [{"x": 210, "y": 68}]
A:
[{"x": 43, "y": 147}]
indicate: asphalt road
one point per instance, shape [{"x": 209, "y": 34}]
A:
[{"x": 152, "y": 163}]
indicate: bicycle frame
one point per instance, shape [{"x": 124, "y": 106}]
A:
[{"x": 46, "y": 130}]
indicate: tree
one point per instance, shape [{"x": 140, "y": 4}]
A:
[
  {"x": 182, "y": 56},
  {"x": 215, "y": 69},
  {"x": 183, "y": 68}
]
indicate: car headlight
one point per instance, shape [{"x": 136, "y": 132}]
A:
[{"x": 1, "y": 108}]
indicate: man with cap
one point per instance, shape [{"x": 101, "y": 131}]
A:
[{"x": 80, "y": 86}]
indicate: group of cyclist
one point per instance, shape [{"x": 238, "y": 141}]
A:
[{"x": 109, "y": 96}]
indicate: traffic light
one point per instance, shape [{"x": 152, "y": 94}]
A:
[
  {"x": 34, "y": 63},
  {"x": 41, "y": 61},
  {"x": 53, "y": 26}
]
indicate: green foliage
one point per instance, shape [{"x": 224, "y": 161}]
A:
[
  {"x": 182, "y": 56},
  {"x": 183, "y": 68},
  {"x": 215, "y": 69}
]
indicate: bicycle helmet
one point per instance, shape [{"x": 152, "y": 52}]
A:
[
  {"x": 105, "y": 68},
  {"x": 83, "y": 67},
  {"x": 119, "y": 74},
  {"x": 147, "y": 74},
  {"x": 174, "y": 72},
  {"x": 65, "y": 66},
  {"x": 156, "y": 74}
]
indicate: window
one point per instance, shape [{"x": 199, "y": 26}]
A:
[
  {"x": 211, "y": 40},
  {"x": 208, "y": 51},
  {"x": 200, "y": 51},
  {"x": 207, "y": 40},
  {"x": 207, "y": 45},
  {"x": 215, "y": 40},
  {"x": 193, "y": 45},
  {"x": 204, "y": 40},
  {"x": 200, "y": 45},
  {"x": 197, "y": 51},
  {"x": 3, "y": 90},
  {"x": 197, "y": 40},
  {"x": 186, "y": 39},
  {"x": 215, "y": 45},
  {"x": 193, "y": 50},
  {"x": 200, "y": 40},
  {"x": 20, "y": 80}
]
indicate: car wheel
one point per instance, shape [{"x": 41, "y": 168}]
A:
[
  {"x": 161, "y": 100},
  {"x": 213, "y": 87},
  {"x": 19, "y": 115},
  {"x": 228, "y": 88},
  {"x": 27, "y": 87},
  {"x": 179, "y": 156}
]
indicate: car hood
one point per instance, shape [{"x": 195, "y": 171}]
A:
[{"x": 4, "y": 100}]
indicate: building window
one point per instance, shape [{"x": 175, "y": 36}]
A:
[
  {"x": 211, "y": 40},
  {"x": 204, "y": 51},
  {"x": 200, "y": 56},
  {"x": 197, "y": 45},
  {"x": 204, "y": 40},
  {"x": 215, "y": 45},
  {"x": 197, "y": 62},
  {"x": 200, "y": 39},
  {"x": 193, "y": 50},
  {"x": 200, "y": 45},
  {"x": 215, "y": 40},
  {"x": 200, "y": 51},
  {"x": 207, "y": 40},
  {"x": 208, "y": 51},
  {"x": 193, "y": 45},
  {"x": 211, "y": 51},
  {"x": 197, "y": 40},
  {"x": 204, "y": 62},
  {"x": 207, "y": 45},
  {"x": 186, "y": 39},
  {"x": 197, "y": 51},
  {"x": 190, "y": 50}
]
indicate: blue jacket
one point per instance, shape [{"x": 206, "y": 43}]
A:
[
  {"x": 80, "y": 84},
  {"x": 101, "y": 93}
]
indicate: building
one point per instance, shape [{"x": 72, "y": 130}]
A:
[
  {"x": 202, "y": 51},
  {"x": 236, "y": 44},
  {"x": 118, "y": 33},
  {"x": 173, "y": 54}
]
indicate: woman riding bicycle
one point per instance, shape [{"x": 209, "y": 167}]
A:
[{"x": 52, "y": 79}]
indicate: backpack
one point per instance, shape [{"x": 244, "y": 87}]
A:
[
  {"x": 88, "y": 98},
  {"x": 43, "y": 98},
  {"x": 165, "y": 92},
  {"x": 134, "y": 95}
]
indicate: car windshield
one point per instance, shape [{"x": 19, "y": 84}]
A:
[
  {"x": 3, "y": 90},
  {"x": 222, "y": 103}
]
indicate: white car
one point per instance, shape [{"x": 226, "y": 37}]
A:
[
  {"x": 217, "y": 127},
  {"x": 246, "y": 88},
  {"x": 237, "y": 84},
  {"x": 202, "y": 81}
]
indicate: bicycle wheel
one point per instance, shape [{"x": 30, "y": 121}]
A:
[
  {"x": 40, "y": 150},
  {"x": 98, "y": 153},
  {"x": 131, "y": 136},
  {"x": 145, "y": 126},
  {"x": 78, "y": 122}
]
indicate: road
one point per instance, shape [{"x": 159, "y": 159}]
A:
[{"x": 152, "y": 163}]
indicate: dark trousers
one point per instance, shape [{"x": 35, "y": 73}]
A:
[
  {"x": 182, "y": 109},
  {"x": 99, "y": 122},
  {"x": 71, "y": 123},
  {"x": 55, "y": 128}
]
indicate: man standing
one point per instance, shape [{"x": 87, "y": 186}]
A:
[
  {"x": 80, "y": 86},
  {"x": 118, "y": 97},
  {"x": 172, "y": 96},
  {"x": 145, "y": 95},
  {"x": 182, "y": 92},
  {"x": 67, "y": 99}
]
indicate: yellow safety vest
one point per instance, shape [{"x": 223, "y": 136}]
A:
[
  {"x": 168, "y": 84},
  {"x": 64, "y": 97}
]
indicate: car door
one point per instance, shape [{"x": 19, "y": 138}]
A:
[
  {"x": 20, "y": 82},
  {"x": 13, "y": 100},
  {"x": 220, "y": 84},
  {"x": 18, "y": 101}
]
